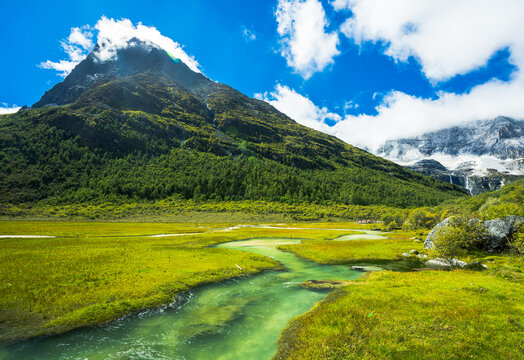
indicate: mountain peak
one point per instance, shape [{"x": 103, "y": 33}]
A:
[{"x": 137, "y": 57}]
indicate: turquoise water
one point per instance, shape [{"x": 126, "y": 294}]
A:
[{"x": 235, "y": 319}]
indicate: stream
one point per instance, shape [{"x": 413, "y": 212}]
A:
[{"x": 235, "y": 319}]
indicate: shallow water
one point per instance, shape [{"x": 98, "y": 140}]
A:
[
  {"x": 362, "y": 235},
  {"x": 235, "y": 319}
]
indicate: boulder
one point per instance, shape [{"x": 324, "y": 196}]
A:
[
  {"x": 500, "y": 231},
  {"x": 414, "y": 252},
  {"x": 406, "y": 255},
  {"x": 438, "y": 262},
  {"x": 428, "y": 243},
  {"x": 325, "y": 284},
  {"x": 446, "y": 264},
  {"x": 358, "y": 268},
  {"x": 458, "y": 263},
  {"x": 476, "y": 265}
]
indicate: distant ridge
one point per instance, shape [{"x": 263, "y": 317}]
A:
[{"x": 480, "y": 156}]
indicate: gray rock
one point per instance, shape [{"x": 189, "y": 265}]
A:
[
  {"x": 428, "y": 243},
  {"x": 476, "y": 265},
  {"x": 458, "y": 263},
  {"x": 422, "y": 256},
  {"x": 446, "y": 264},
  {"x": 499, "y": 232},
  {"x": 358, "y": 268},
  {"x": 439, "y": 263},
  {"x": 414, "y": 252},
  {"x": 406, "y": 255}
]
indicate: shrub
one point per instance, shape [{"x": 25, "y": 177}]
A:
[
  {"x": 463, "y": 234},
  {"x": 421, "y": 218},
  {"x": 517, "y": 241}
]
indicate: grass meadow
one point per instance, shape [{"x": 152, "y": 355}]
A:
[{"x": 92, "y": 273}]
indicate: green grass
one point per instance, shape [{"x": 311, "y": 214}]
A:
[
  {"x": 413, "y": 315},
  {"x": 410, "y": 314},
  {"x": 346, "y": 252},
  {"x": 92, "y": 272}
]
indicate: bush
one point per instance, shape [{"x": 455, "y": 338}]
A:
[
  {"x": 462, "y": 235},
  {"x": 517, "y": 241},
  {"x": 421, "y": 218}
]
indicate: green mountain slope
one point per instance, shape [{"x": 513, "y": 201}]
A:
[{"x": 162, "y": 131}]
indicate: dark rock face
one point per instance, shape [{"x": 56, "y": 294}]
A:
[
  {"x": 501, "y": 137},
  {"x": 499, "y": 232},
  {"x": 473, "y": 184},
  {"x": 482, "y": 145},
  {"x": 138, "y": 57}
]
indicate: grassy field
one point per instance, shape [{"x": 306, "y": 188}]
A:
[
  {"x": 384, "y": 252},
  {"x": 413, "y": 315},
  {"x": 92, "y": 273},
  {"x": 426, "y": 314}
]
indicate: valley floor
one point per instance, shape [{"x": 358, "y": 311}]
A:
[
  {"x": 74, "y": 274},
  {"x": 92, "y": 272}
]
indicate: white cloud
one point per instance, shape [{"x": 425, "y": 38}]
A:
[
  {"x": 77, "y": 46},
  {"x": 112, "y": 35},
  {"x": 81, "y": 37},
  {"x": 249, "y": 35},
  {"x": 64, "y": 67},
  {"x": 299, "y": 108},
  {"x": 401, "y": 115},
  {"x": 6, "y": 109},
  {"x": 306, "y": 45},
  {"x": 447, "y": 37},
  {"x": 116, "y": 34}
]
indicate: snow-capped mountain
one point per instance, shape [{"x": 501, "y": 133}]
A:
[{"x": 480, "y": 156}]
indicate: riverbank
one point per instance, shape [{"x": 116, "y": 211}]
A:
[
  {"x": 425, "y": 314},
  {"x": 91, "y": 273}
]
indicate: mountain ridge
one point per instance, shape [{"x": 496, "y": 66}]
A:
[
  {"x": 479, "y": 156},
  {"x": 153, "y": 129}
]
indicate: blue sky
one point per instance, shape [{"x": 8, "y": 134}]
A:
[{"x": 338, "y": 66}]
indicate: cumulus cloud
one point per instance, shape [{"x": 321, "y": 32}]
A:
[
  {"x": 299, "y": 108},
  {"x": 306, "y": 45},
  {"x": 111, "y": 36},
  {"x": 76, "y": 47},
  {"x": 446, "y": 37},
  {"x": 81, "y": 37},
  {"x": 6, "y": 109},
  {"x": 401, "y": 115}
]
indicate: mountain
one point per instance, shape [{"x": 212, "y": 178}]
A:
[
  {"x": 143, "y": 126},
  {"x": 479, "y": 156}
]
